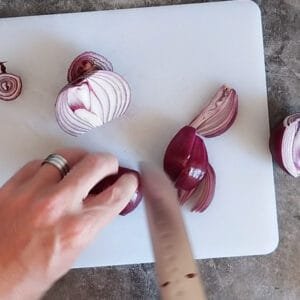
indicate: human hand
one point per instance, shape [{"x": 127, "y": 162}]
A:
[{"x": 45, "y": 224}]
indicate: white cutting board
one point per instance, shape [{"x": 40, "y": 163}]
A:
[{"x": 174, "y": 57}]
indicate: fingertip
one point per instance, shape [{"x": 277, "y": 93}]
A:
[{"x": 131, "y": 179}]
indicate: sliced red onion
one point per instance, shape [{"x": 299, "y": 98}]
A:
[
  {"x": 10, "y": 84},
  {"x": 285, "y": 144},
  {"x": 110, "y": 180},
  {"x": 219, "y": 114},
  {"x": 87, "y": 62},
  {"x": 91, "y": 101},
  {"x": 205, "y": 191},
  {"x": 184, "y": 196},
  {"x": 186, "y": 159}
]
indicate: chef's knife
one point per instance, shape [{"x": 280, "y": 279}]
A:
[{"x": 176, "y": 270}]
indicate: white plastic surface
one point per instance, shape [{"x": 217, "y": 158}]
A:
[{"x": 174, "y": 58}]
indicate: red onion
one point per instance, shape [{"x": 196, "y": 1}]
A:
[
  {"x": 87, "y": 62},
  {"x": 285, "y": 144},
  {"x": 110, "y": 180},
  {"x": 203, "y": 193},
  {"x": 205, "y": 190},
  {"x": 91, "y": 101},
  {"x": 219, "y": 114},
  {"x": 186, "y": 160},
  {"x": 10, "y": 84}
]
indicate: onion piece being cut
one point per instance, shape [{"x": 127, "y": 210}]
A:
[
  {"x": 205, "y": 191},
  {"x": 91, "y": 101},
  {"x": 10, "y": 84},
  {"x": 110, "y": 180},
  {"x": 87, "y": 62},
  {"x": 219, "y": 114},
  {"x": 285, "y": 144},
  {"x": 186, "y": 159}
]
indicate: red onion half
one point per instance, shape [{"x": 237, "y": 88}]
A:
[
  {"x": 87, "y": 62},
  {"x": 110, "y": 180},
  {"x": 10, "y": 84},
  {"x": 186, "y": 160},
  {"x": 91, "y": 101},
  {"x": 219, "y": 114},
  {"x": 285, "y": 144}
]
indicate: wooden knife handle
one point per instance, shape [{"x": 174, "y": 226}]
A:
[{"x": 176, "y": 269}]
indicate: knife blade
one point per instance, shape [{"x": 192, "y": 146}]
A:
[{"x": 176, "y": 270}]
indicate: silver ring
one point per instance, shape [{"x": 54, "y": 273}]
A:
[{"x": 59, "y": 162}]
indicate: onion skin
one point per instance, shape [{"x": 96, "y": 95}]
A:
[
  {"x": 285, "y": 144},
  {"x": 186, "y": 159},
  {"x": 110, "y": 180},
  {"x": 87, "y": 62},
  {"x": 10, "y": 85},
  {"x": 219, "y": 115}
]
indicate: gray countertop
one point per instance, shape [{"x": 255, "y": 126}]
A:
[{"x": 274, "y": 276}]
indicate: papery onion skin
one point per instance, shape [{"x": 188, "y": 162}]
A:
[
  {"x": 110, "y": 180},
  {"x": 185, "y": 159},
  {"x": 10, "y": 85},
  {"x": 285, "y": 144},
  {"x": 92, "y": 100},
  {"x": 87, "y": 62},
  {"x": 219, "y": 114}
]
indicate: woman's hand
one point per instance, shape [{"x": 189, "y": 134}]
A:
[{"x": 45, "y": 224}]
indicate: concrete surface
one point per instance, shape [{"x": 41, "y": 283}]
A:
[{"x": 275, "y": 276}]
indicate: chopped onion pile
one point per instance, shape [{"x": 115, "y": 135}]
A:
[
  {"x": 285, "y": 144},
  {"x": 92, "y": 99},
  {"x": 110, "y": 180},
  {"x": 186, "y": 160},
  {"x": 10, "y": 84}
]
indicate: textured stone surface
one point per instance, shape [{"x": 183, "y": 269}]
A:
[{"x": 275, "y": 276}]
